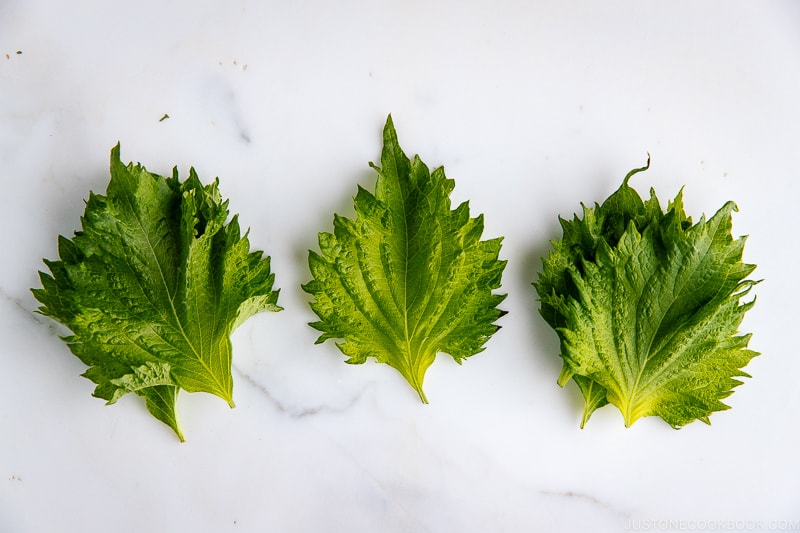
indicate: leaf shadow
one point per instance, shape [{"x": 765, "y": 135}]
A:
[
  {"x": 63, "y": 211},
  {"x": 540, "y": 335},
  {"x": 341, "y": 205}
]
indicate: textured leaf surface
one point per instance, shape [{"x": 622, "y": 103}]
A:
[
  {"x": 647, "y": 306},
  {"x": 408, "y": 277},
  {"x": 152, "y": 287}
]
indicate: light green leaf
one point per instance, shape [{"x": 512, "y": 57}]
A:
[
  {"x": 408, "y": 277},
  {"x": 647, "y": 306},
  {"x": 152, "y": 287}
]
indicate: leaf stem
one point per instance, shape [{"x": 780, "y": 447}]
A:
[
  {"x": 637, "y": 170},
  {"x": 421, "y": 395}
]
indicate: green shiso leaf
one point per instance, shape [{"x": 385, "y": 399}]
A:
[
  {"x": 408, "y": 277},
  {"x": 153, "y": 285},
  {"x": 647, "y": 306}
]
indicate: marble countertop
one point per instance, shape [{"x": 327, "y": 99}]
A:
[{"x": 533, "y": 107}]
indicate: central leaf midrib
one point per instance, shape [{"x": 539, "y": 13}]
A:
[
  {"x": 178, "y": 324},
  {"x": 648, "y": 355},
  {"x": 408, "y": 354}
]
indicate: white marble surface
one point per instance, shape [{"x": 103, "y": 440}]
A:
[{"x": 533, "y": 107}]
